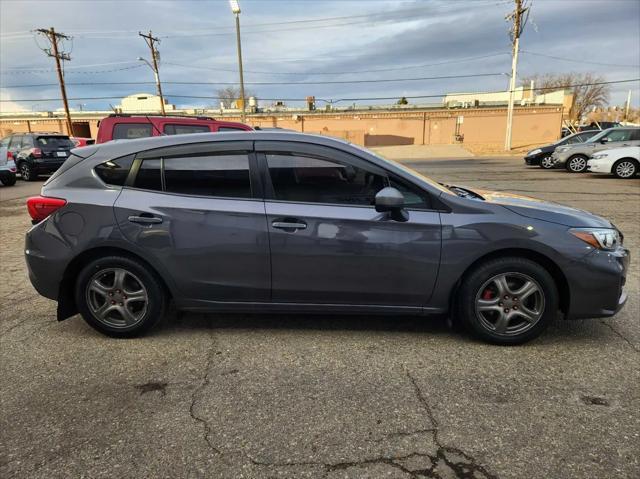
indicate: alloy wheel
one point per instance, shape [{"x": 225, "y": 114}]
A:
[
  {"x": 25, "y": 172},
  {"x": 625, "y": 169},
  {"x": 117, "y": 297},
  {"x": 509, "y": 303},
  {"x": 577, "y": 164},
  {"x": 546, "y": 162}
]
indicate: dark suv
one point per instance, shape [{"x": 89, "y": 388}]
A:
[
  {"x": 289, "y": 222},
  {"x": 38, "y": 153}
]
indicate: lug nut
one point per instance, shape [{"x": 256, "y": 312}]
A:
[
  {"x": 515, "y": 298},
  {"x": 500, "y": 304},
  {"x": 110, "y": 293},
  {"x": 515, "y": 307},
  {"x": 113, "y": 302},
  {"x": 506, "y": 310},
  {"x": 121, "y": 304}
]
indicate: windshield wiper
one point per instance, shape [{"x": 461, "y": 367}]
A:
[{"x": 463, "y": 192}]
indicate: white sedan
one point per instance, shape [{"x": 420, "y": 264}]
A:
[{"x": 621, "y": 162}]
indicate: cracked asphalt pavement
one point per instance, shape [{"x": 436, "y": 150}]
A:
[{"x": 300, "y": 396}]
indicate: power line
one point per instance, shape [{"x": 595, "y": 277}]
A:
[
  {"x": 377, "y": 70},
  {"x": 67, "y": 72},
  {"x": 580, "y": 61},
  {"x": 319, "y": 82},
  {"x": 440, "y": 95}
]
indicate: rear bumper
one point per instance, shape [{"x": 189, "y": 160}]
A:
[
  {"x": 597, "y": 284},
  {"x": 47, "y": 166}
]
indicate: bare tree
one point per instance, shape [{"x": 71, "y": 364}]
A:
[
  {"x": 585, "y": 97},
  {"x": 228, "y": 95}
]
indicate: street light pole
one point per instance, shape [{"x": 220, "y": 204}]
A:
[{"x": 235, "y": 8}]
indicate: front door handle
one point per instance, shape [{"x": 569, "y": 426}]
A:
[
  {"x": 289, "y": 225},
  {"x": 145, "y": 220}
]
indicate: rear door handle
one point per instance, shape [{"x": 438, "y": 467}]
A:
[
  {"x": 145, "y": 220},
  {"x": 289, "y": 225}
]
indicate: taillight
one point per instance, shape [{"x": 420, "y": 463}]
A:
[
  {"x": 36, "y": 152},
  {"x": 9, "y": 155},
  {"x": 42, "y": 206}
]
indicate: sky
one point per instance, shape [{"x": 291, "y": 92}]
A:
[{"x": 324, "y": 43}]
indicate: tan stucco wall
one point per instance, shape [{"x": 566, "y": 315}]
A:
[{"x": 482, "y": 126}]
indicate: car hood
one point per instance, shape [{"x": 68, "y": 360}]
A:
[{"x": 545, "y": 210}]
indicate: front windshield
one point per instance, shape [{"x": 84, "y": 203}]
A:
[{"x": 597, "y": 137}]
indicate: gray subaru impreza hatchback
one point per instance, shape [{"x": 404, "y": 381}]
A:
[{"x": 288, "y": 222}]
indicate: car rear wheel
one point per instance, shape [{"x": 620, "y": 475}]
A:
[
  {"x": 119, "y": 296},
  {"x": 8, "y": 180},
  {"x": 508, "y": 300},
  {"x": 625, "y": 168},
  {"x": 577, "y": 164},
  {"x": 27, "y": 173},
  {"x": 546, "y": 162}
]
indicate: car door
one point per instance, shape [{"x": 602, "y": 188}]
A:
[
  {"x": 198, "y": 211},
  {"x": 329, "y": 245},
  {"x": 617, "y": 138}
]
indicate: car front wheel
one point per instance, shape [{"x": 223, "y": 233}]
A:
[
  {"x": 508, "y": 300},
  {"x": 546, "y": 162},
  {"x": 625, "y": 168},
  {"x": 8, "y": 180},
  {"x": 120, "y": 296},
  {"x": 577, "y": 164}
]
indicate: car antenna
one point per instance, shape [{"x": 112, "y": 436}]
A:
[{"x": 154, "y": 126}]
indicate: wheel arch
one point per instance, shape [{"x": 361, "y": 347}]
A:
[
  {"x": 629, "y": 158},
  {"x": 547, "y": 263},
  {"x": 66, "y": 299}
]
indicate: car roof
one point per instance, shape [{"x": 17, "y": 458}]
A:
[{"x": 116, "y": 148}]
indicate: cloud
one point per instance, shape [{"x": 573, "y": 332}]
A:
[{"x": 202, "y": 34}]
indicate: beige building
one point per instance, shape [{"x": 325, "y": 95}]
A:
[
  {"x": 521, "y": 96},
  {"x": 143, "y": 103}
]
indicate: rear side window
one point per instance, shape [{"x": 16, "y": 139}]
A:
[
  {"x": 619, "y": 135},
  {"x": 130, "y": 131},
  {"x": 178, "y": 129},
  {"x": 149, "y": 177},
  {"x": 225, "y": 175},
  {"x": 54, "y": 142},
  {"x": 635, "y": 135},
  {"x": 114, "y": 172}
]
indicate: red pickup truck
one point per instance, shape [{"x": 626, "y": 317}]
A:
[{"x": 129, "y": 127}]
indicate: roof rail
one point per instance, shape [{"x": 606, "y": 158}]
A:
[{"x": 157, "y": 115}]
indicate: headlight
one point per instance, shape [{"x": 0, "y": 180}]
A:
[
  {"x": 599, "y": 155},
  {"x": 599, "y": 238},
  {"x": 534, "y": 152}
]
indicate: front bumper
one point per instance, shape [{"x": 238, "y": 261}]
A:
[
  {"x": 598, "y": 167},
  {"x": 534, "y": 160},
  {"x": 597, "y": 283}
]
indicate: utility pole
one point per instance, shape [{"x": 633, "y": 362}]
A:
[
  {"x": 626, "y": 107},
  {"x": 54, "y": 52},
  {"x": 518, "y": 26},
  {"x": 235, "y": 9},
  {"x": 151, "y": 42}
]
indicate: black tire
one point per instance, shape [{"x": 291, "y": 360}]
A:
[
  {"x": 9, "y": 180},
  {"x": 149, "y": 316},
  {"x": 473, "y": 286},
  {"x": 26, "y": 171},
  {"x": 545, "y": 163},
  {"x": 577, "y": 164},
  {"x": 630, "y": 169}
]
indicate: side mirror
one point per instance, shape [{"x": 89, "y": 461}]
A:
[
  {"x": 390, "y": 200},
  {"x": 604, "y": 140}
]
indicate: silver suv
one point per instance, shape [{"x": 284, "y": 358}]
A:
[
  {"x": 574, "y": 157},
  {"x": 288, "y": 222}
]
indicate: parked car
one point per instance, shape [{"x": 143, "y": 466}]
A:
[
  {"x": 285, "y": 222},
  {"x": 600, "y": 125},
  {"x": 542, "y": 156},
  {"x": 80, "y": 142},
  {"x": 7, "y": 166},
  {"x": 129, "y": 127},
  {"x": 574, "y": 157},
  {"x": 621, "y": 162},
  {"x": 39, "y": 153}
]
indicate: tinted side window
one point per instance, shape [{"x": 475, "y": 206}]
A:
[
  {"x": 178, "y": 129},
  {"x": 113, "y": 172},
  {"x": 225, "y": 175},
  {"x": 635, "y": 135},
  {"x": 313, "y": 180},
  {"x": 572, "y": 140},
  {"x": 27, "y": 142},
  {"x": 16, "y": 142},
  {"x": 129, "y": 131},
  {"x": 148, "y": 176},
  {"x": 5, "y": 142},
  {"x": 619, "y": 135}
]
